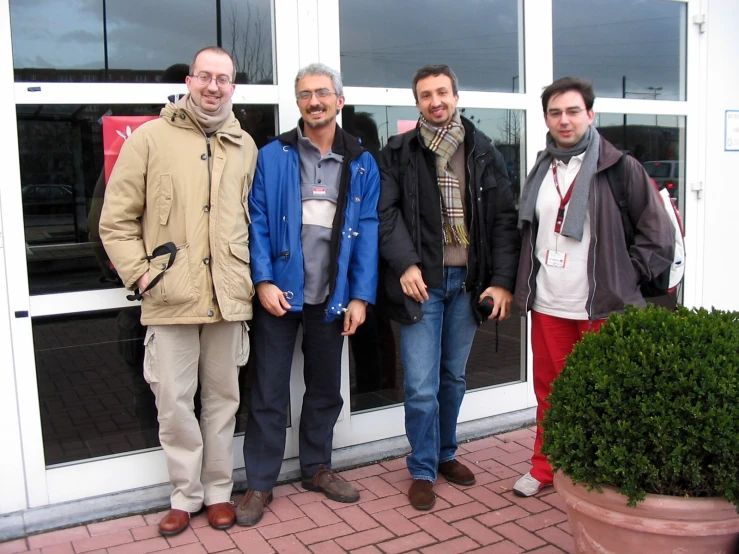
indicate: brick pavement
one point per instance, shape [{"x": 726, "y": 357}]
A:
[{"x": 486, "y": 517}]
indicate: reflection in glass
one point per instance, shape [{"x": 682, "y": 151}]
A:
[
  {"x": 384, "y": 42},
  {"x": 93, "y": 398},
  {"x": 658, "y": 142},
  {"x": 62, "y": 187},
  {"x": 375, "y": 124},
  {"x": 92, "y": 394},
  {"x": 376, "y": 373},
  {"x": 628, "y": 48},
  {"x": 134, "y": 41}
]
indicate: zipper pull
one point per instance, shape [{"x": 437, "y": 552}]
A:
[{"x": 207, "y": 142}]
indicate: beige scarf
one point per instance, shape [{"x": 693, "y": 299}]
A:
[{"x": 210, "y": 122}]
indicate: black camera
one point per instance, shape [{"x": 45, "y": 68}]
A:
[{"x": 486, "y": 306}]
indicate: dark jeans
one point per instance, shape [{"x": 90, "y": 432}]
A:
[{"x": 274, "y": 341}]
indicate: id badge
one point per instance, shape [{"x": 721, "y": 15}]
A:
[{"x": 556, "y": 259}]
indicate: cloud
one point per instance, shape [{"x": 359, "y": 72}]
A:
[{"x": 80, "y": 36}]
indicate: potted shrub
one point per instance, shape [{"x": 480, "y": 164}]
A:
[{"x": 643, "y": 433}]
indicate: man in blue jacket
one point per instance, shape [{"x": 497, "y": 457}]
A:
[{"x": 314, "y": 252}]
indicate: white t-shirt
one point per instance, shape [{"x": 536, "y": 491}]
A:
[{"x": 560, "y": 291}]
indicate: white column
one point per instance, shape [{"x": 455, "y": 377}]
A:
[{"x": 22, "y": 484}]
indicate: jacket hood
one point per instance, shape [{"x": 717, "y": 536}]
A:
[
  {"x": 184, "y": 118},
  {"x": 608, "y": 156}
]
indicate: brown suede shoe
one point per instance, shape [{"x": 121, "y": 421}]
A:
[
  {"x": 251, "y": 509},
  {"x": 174, "y": 523},
  {"x": 421, "y": 494},
  {"x": 456, "y": 472},
  {"x": 221, "y": 515},
  {"x": 332, "y": 485}
]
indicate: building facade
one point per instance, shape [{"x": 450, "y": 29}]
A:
[{"x": 79, "y": 422}]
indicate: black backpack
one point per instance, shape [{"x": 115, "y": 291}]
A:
[{"x": 665, "y": 282}]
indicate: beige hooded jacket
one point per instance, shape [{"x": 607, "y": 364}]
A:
[{"x": 171, "y": 183}]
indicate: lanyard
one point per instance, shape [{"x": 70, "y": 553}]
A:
[{"x": 563, "y": 200}]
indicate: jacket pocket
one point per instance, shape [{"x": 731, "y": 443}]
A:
[
  {"x": 165, "y": 198},
  {"x": 243, "y": 348},
  {"x": 151, "y": 373},
  {"x": 176, "y": 285},
  {"x": 239, "y": 272}
]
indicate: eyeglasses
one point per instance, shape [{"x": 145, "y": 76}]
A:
[
  {"x": 571, "y": 112},
  {"x": 320, "y": 93},
  {"x": 205, "y": 79}
]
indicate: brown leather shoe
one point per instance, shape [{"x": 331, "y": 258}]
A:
[
  {"x": 174, "y": 523},
  {"x": 221, "y": 515},
  {"x": 421, "y": 494},
  {"x": 456, "y": 472},
  {"x": 251, "y": 508},
  {"x": 332, "y": 485}
]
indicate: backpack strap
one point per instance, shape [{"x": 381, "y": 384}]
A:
[{"x": 616, "y": 177}]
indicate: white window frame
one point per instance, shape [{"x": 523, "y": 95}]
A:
[{"x": 305, "y": 31}]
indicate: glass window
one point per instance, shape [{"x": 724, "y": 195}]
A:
[
  {"x": 92, "y": 394},
  {"x": 136, "y": 40},
  {"x": 376, "y": 374},
  {"x": 628, "y": 48},
  {"x": 384, "y": 42},
  {"x": 62, "y": 186},
  {"x": 658, "y": 142}
]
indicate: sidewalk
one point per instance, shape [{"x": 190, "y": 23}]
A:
[{"x": 486, "y": 517}]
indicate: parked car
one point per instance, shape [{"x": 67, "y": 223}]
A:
[
  {"x": 666, "y": 173},
  {"x": 47, "y": 199}
]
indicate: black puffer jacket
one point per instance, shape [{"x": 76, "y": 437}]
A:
[{"x": 411, "y": 220}]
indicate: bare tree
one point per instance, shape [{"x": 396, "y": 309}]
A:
[
  {"x": 510, "y": 128},
  {"x": 251, "y": 55}
]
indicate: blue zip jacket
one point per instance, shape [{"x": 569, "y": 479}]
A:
[{"x": 275, "y": 207}]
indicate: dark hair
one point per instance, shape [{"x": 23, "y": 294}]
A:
[
  {"x": 215, "y": 50},
  {"x": 433, "y": 71},
  {"x": 566, "y": 84}
]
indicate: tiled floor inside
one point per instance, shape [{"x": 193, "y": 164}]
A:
[{"x": 485, "y": 517}]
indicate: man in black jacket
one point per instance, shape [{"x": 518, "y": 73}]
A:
[{"x": 449, "y": 247}]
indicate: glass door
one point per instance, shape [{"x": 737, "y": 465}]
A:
[{"x": 88, "y": 419}]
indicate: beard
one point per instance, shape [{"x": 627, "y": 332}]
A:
[{"x": 320, "y": 123}]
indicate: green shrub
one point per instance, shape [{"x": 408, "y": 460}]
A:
[{"x": 651, "y": 405}]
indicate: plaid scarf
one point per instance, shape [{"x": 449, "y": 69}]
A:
[{"x": 443, "y": 142}]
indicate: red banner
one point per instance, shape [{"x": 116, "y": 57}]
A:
[{"x": 116, "y": 130}]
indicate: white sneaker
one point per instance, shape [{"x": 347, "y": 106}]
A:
[{"x": 528, "y": 486}]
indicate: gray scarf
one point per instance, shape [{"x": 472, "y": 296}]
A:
[{"x": 578, "y": 206}]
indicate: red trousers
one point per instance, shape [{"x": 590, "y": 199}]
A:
[{"x": 552, "y": 339}]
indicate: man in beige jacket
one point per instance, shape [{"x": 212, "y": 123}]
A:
[{"x": 175, "y": 225}]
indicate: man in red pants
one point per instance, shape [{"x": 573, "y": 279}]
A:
[{"x": 576, "y": 266}]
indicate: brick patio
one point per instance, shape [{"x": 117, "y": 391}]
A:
[{"x": 486, "y": 517}]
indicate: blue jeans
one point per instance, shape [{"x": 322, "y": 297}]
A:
[{"x": 434, "y": 353}]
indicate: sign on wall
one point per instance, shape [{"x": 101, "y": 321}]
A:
[{"x": 731, "y": 131}]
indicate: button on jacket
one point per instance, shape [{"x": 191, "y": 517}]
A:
[{"x": 172, "y": 184}]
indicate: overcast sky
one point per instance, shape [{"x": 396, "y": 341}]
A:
[
  {"x": 142, "y": 34},
  {"x": 382, "y": 41}
]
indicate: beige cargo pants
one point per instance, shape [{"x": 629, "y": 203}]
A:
[{"x": 178, "y": 357}]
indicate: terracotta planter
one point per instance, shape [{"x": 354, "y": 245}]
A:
[{"x": 602, "y": 523}]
